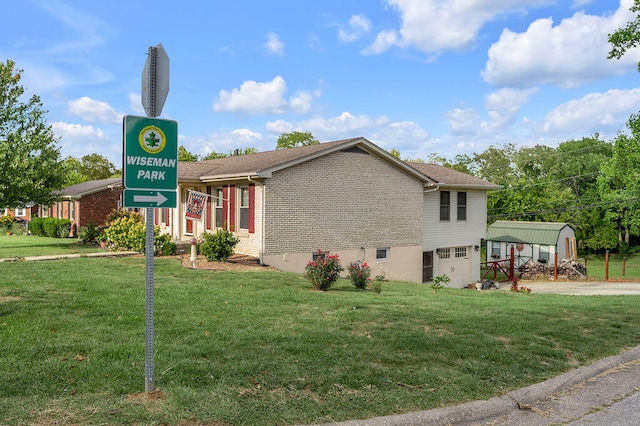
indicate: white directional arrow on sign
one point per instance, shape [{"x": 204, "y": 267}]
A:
[{"x": 157, "y": 199}]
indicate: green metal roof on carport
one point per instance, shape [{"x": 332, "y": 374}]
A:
[{"x": 546, "y": 233}]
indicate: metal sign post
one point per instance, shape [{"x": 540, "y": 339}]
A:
[{"x": 152, "y": 102}]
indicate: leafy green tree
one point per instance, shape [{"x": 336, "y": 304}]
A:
[
  {"x": 619, "y": 183},
  {"x": 184, "y": 155},
  {"x": 577, "y": 166},
  {"x": 213, "y": 155},
  {"x": 96, "y": 167},
  {"x": 29, "y": 156},
  {"x": 72, "y": 174},
  {"x": 89, "y": 167},
  {"x": 626, "y": 38},
  {"x": 245, "y": 151},
  {"x": 293, "y": 139}
]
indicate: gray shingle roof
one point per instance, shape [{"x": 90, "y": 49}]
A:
[
  {"x": 261, "y": 164},
  {"x": 85, "y": 188},
  {"x": 449, "y": 177}
]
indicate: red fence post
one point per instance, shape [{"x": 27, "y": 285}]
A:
[
  {"x": 512, "y": 273},
  {"x": 606, "y": 266}
]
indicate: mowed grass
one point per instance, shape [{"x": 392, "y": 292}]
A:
[
  {"x": 264, "y": 348},
  {"x": 17, "y": 246},
  {"x": 620, "y": 267}
]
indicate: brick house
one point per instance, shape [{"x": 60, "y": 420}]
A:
[
  {"x": 86, "y": 202},
  {"x": 22, "y": 215},
  {"x": 410, "y": 222}
]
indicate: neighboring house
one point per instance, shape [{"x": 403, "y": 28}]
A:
[
  {"x": 409, "y": 222},
  {"x": 86, "y": 202},
  {"x": 22, "y": 215},
  {"x": 454, "y": 223},
  {"x": 537, "y": 241}
]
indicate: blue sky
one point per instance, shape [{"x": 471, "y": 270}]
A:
[{"x": 441, "y": 77}]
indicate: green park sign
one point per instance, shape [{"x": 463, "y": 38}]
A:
[{"x": 150, "y": 162}]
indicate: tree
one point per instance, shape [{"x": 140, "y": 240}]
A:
[
  {"x": 184, "y": 155},
  {"x": 293, "y": 139},
  {"x": 96, "y": 167},
  {"x": 626, "y": 38},
  {"x": 89, "y": 167},
  {"x": 619, "y": 183},
  {"x": 29, "y": 156}
]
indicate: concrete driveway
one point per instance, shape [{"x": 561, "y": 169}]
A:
[{"x": 580, "y": 288}]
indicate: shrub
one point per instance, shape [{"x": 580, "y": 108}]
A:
[
  {"x": 36, "y": 226},
  {"x": 122, "y": 213},
  {"x": 323, "y": 272},
  {"x": 89, "y": 233},
  {"x": 8, "y": 223},
  {"x": 127, "y": 232},
  {"x": 359, "y": 274},
  {"x": 218, "y": 246},
  {"x": 376, "y": 285},
  {"x": 164, "y": 246},
  {"x": 50, "y": 227}
]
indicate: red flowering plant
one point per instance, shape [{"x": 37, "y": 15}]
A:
[
  {"x": 521, "y": 289},
  {"x": 324, "y": 271},
  {"x": 359, "y": 273}
]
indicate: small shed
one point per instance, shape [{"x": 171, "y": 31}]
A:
[{"x": 537, "y": 241}]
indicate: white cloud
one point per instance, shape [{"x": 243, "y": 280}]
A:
[
  {"x": 273, "y": 45},
  {"x": 567, "y": 55},
  {"x": 432, "y": 26},
  {"x": 223, "y": 142},
  {"x": 77, "y": 131},
  {"x": 264, "y": 98},
  {"x": 384, "y": 40},
  {"x": 358, "y": 25},
  {"x": 78, "y": 140},
  {"x": 135, "y": 103},
  {"x": 502, "y": 106},
  {"x": 595, "y": 112},
  {"x": 94, "y": 111},
  {"x": 463, "y": 121},
  {"x": 344, "y": 125}
]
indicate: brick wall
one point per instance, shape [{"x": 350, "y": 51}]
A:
[
  {"x": 341, "y": 201},
  {"x": 96, "y": 207}
]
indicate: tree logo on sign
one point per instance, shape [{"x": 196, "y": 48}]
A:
[{"x": 152, "y": 139}]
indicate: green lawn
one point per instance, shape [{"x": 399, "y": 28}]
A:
[
  {"x": 16, "y": 246},
  {"x": 243, "y": 348},
  {"x": 620, "y": 267}
]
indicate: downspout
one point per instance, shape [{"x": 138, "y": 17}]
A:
[
  {"x": 262, "y": 222},
  {"x": 431, "y": 190}
]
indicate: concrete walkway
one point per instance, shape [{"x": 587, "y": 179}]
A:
[{"x": 70, "y": 256}]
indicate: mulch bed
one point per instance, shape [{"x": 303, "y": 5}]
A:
[{"x": 237, "y": 262}]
